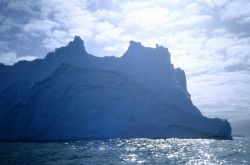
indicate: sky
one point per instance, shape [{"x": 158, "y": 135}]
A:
[{"x": 209, "y": 39}]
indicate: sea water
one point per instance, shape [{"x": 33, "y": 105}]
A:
[{"x": 128, "y": 151}]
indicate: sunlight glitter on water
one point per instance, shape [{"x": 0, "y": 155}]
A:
[{"x": 130, "y": 151}]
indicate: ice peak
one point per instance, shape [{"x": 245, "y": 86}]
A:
[
  {"x": 161, "y": 49},
  {"x": 137, "y": 51},
  {"x": 135, "y": 44},
  {"x": 76, "y": 47},
  {"x": 76, "y": 42},
  {"x": 73, "y": 49},
  {"x": 77, "y": 39},
  {"x": 135, "y": 47}
]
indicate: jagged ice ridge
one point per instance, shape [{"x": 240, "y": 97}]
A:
[{"x": 73, "y": 95}]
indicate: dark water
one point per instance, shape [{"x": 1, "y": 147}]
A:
[{"x": 133, "y": 151}]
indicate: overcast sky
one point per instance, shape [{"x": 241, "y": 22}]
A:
[{"x": 209, "y": 39}]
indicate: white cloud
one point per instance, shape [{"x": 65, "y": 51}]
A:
[
  {"x": 193, "y": 20},
  {"x": 236, "y": 9},
  {"x": 149, "y": 17},
  {"x": 68, "y": 18},
  {"x": 9, "y": 58},
  {"x": 130, "y": 20},
  {"x": 222, "y": 94},
  {"x": 42, "y": 27},
  {"x": 245, "y": 20},
  {"x": 24, "y": 5},
  {"x": 219, "y": 31},
  {"x": 215, "y": 3}
]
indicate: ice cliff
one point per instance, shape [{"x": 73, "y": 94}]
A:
[{"x": 73, "y": 95}]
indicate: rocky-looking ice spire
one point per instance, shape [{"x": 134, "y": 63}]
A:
[
  {"x": 137, "y": 52},
  {"x": 74, "y": 48},
  {"x": 76, "y": 42}
]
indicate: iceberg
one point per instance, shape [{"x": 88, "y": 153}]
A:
[{"x": 74, "y": 95}]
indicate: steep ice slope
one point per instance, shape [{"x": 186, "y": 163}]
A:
[{"x": 74, "y": 95}]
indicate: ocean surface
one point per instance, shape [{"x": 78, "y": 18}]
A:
[{"x": 131, "y": 151}]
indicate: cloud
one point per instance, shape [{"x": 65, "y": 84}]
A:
[
  {"x": 130, "y": 20},
  {"x": 245, "y": 20},
  {"x": 4, "y": 46},
  {"x": 235, "y": 10},
  {"x": 10, "y": 58},
  {"x": 25, "y": 5},
  {"x": 215, "y": 3},
  {"x": 43, "y": 27},
  {"x": 221, "y": 94}
]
